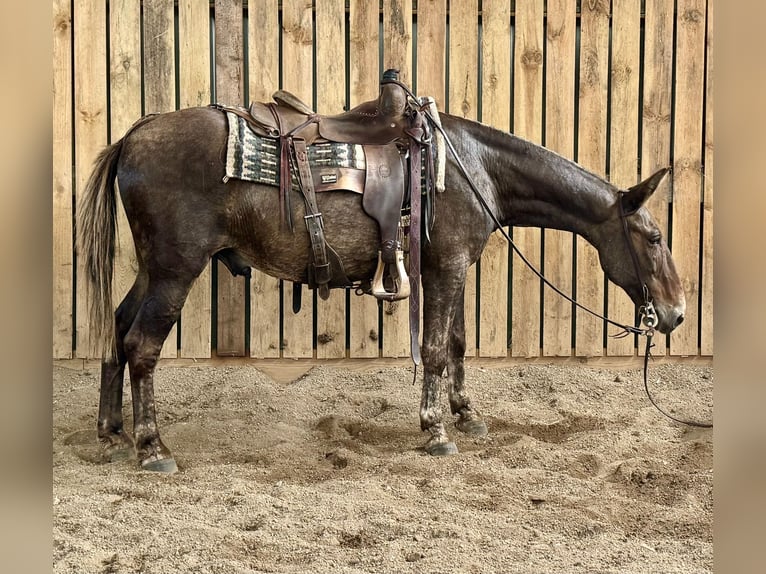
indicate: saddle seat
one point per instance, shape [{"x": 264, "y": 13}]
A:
[{"x": 377, "y": 122}]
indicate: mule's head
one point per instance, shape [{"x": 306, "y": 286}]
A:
[{"x": 653, "y": 265}]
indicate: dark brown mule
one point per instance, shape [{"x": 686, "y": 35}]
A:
[{"x": 169, "y": 171}]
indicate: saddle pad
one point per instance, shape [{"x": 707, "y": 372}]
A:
[{"x": 255, "y": 158}]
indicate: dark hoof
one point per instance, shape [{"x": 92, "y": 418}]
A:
[
  {"x": 442, "y": 449},
  {"x": 165, "y": 465},
  {"x": 472, "y": 426}
]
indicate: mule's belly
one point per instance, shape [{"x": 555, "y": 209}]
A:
[{"x": 266, "y": 242}]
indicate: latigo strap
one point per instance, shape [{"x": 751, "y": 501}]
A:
[{"x": 313, "y": 218}]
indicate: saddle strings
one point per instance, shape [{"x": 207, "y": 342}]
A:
[{"x": 625, "y": 330}]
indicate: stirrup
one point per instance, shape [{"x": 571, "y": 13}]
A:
[{"x": 379, "y": 290}]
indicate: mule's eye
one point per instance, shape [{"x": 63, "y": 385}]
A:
[{"x": 655, "y": 238}]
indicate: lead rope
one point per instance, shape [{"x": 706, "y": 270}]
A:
[
  {"x": 646, "y": 311},
  {"x": 647, "y": 354}
]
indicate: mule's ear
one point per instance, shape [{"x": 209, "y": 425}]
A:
[{"x": 636, "y": 196}]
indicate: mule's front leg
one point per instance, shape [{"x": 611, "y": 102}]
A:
[
  {"x": 469, "y": 421},
  {"x": 438, "y": 313},
  {"x": 438, "y": 443}
]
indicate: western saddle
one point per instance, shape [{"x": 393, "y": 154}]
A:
[{"x": 396, "y": 138}]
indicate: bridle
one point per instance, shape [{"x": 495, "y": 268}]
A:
[
  {"x": 648, "y": 316},
  {"x": 647, "y": 312}
]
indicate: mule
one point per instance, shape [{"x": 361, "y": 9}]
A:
[{"x": 169, "y": 170}]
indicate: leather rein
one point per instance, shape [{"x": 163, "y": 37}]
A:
[{"x": 646, "y": 311}]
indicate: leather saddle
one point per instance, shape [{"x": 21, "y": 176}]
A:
[
  {"x": 391, "y": 132},
  {"x": 378, "y": 122}
]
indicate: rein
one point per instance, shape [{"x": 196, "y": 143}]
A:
[{"x": 646, "y": 311}]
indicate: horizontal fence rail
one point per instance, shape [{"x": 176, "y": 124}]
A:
[{"x": 623, "y": 88}]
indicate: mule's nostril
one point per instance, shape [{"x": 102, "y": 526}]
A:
[{"x": 679, "y": 320}]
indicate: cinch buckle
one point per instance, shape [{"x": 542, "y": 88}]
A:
[{"x": 314, "y": 216}]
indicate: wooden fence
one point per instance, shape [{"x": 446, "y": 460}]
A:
[{"x": 622, "y": 87}]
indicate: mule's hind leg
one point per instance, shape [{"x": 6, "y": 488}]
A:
[
  {"x": 469, "y": 421},
  {"x": 159, "y": 310},
  {"x": 115, "y": 442}
]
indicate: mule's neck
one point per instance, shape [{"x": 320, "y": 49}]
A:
[{"x": 535, "y": 187}]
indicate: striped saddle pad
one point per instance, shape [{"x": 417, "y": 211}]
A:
[{"x": 255, "y": 158}]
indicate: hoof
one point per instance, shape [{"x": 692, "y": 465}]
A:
[
  {"x": 164, "y": 465},
  {"x": 472, "y": 426},
  {"x": 442, "y": 448}
]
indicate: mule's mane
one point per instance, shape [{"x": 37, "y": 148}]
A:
[{"x": 524, "y": 171}]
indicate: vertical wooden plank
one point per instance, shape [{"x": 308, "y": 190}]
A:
[
  {"x": 397, "y": 37},
  {"x": 263, "y": 49},
  {"x": 591, "y": 153},
  {"x": 194, "y": 90},
  {"x": 432, "y": 40},
  {"x": 194, "y": 53},
  {"x": 263, "y": 61},
  {"x": 63, "y": 248},
  {"x": 297, "y": 77},
  {"x": 90, "y": 128},
  {"x": 331, "y": 98},
  {"x": 496, "y": 111},
  {"x": 159, "y": 56},
  {"x": 364, "y": 80},
  {"x": 527, "y": 123},
  {"x": 706, "y": 319},
  {"x": 160, "y": 86},
  {"x": 464, "y": 102},
  {"x": 623, "y": 138},
  {"x": 463, "y": 58},
  {"x": 688, "y": 120},
  {"x": 125, "y": 69},
  {"x": 431, "y": 61},
  {"x": 656, "y": 112},
  {"x": 397, "y": 53},
  {"x": 559, "y": 137},
  {"x": 657, "y": 101},
  {"x": 229, "y": 89},
  {"x": 431, "y": 56}
]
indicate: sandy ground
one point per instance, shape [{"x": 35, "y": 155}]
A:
[{"x": 326, "y": 473}]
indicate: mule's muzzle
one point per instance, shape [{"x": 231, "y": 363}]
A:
[{"x": 670, "y": 318}]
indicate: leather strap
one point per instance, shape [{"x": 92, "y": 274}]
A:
[
  {"x": 313, "y": 218},
  {"x": 416, "y": 136},
  {"x": 285, "y": 178}
]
